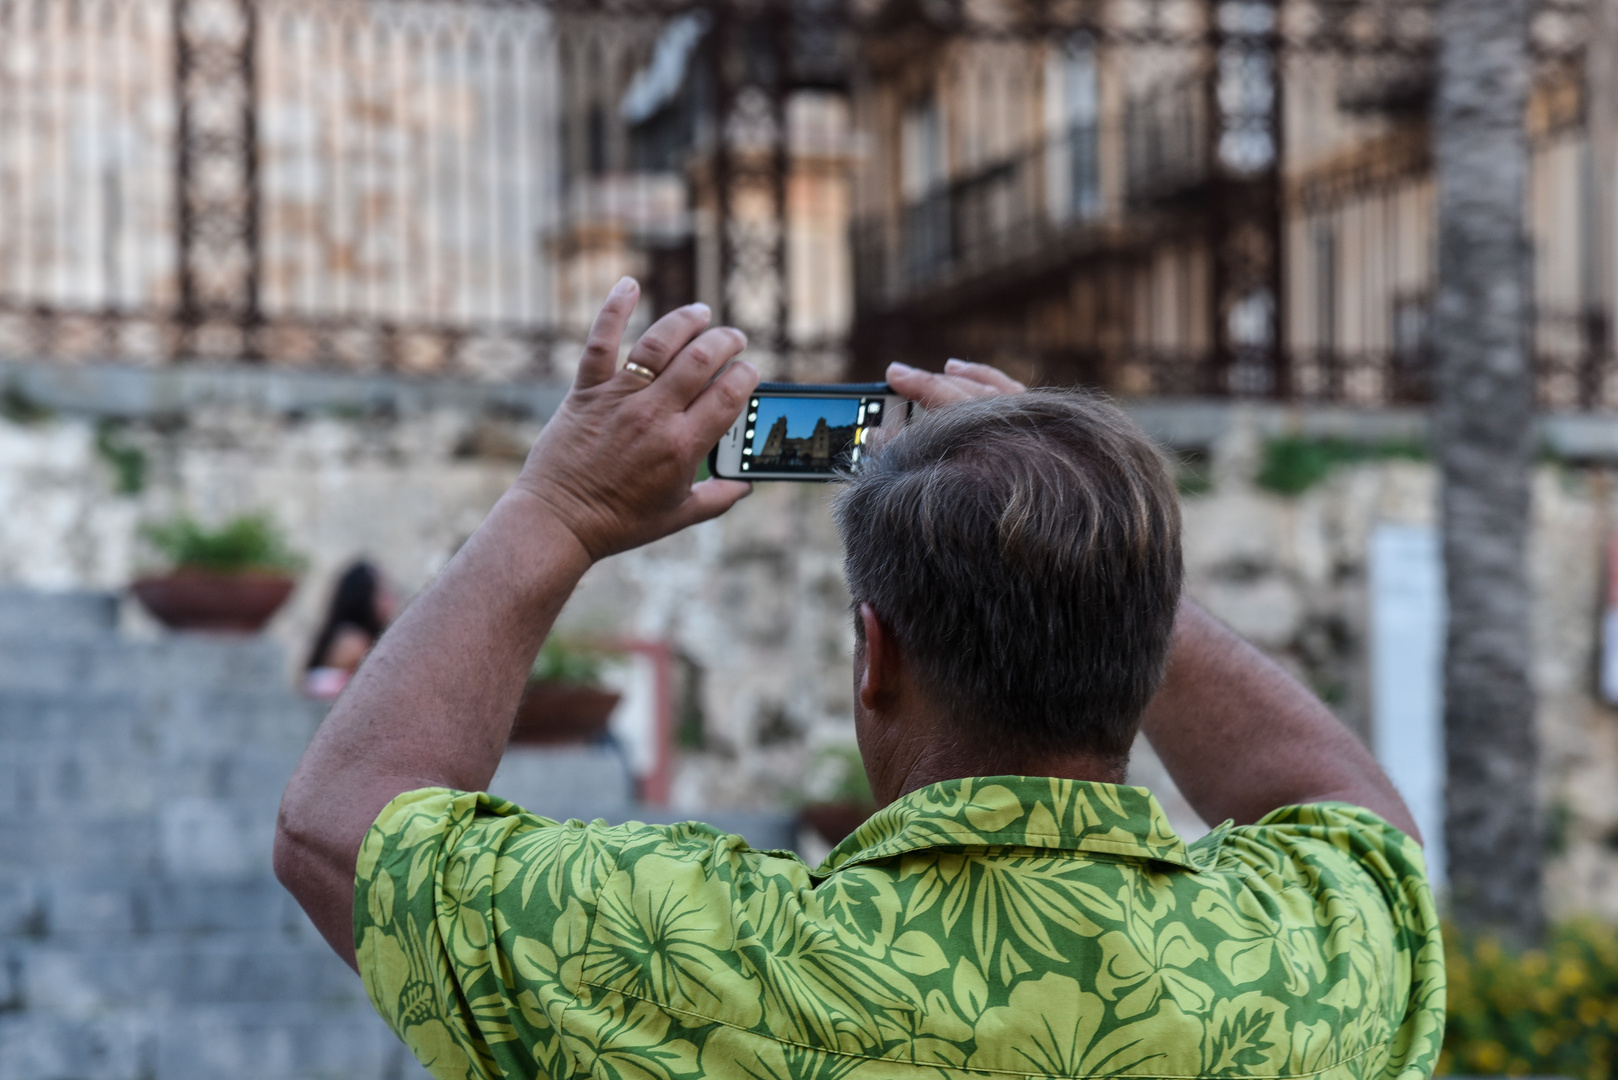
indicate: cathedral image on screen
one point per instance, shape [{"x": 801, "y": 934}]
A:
[{"x": 809, "y": 434}]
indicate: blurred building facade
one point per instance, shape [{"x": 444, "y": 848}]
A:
[
  {"x": 1183, "y": 197},
  {"x": 311, "y": 225},
  {"x": 1218, "y": 198},
  {"x": 425, "y": 187}
]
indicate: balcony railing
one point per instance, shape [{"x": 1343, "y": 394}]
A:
[
  {"x": 1041, "y": 195},
  {"x": 983, "y": 218},
  {"x": 1167, "y": 142}
]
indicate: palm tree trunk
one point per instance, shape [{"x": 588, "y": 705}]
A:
[{"x": 1484, "y": 431}]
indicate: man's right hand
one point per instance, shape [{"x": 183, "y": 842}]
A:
[
  {"x": 615, "y": 464},
  {"x": 960, "y": 381}
]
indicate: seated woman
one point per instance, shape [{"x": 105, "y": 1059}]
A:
[{"x": 361, "y": 608}]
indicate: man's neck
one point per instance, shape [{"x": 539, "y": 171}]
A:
[{"x": 938, "y": 762}]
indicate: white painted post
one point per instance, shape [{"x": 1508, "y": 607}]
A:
[{"x": 1407, "y": 648}]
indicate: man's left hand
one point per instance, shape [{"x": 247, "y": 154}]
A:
[{"x": 959, "y": 381}]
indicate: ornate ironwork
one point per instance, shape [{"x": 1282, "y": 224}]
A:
[
  {"x": 750, "y": 54},
  {"x": 1203, "y": 162},
  {"x": 1245, "y": 87},
  {"x": 216, "y": 171}
]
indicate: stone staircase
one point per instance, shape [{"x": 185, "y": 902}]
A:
[{"x": 143, "y": 935}]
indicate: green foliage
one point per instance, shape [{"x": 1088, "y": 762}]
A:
[
  {"x": 691, "y": 722},
  {"x": 1558, "y": 827},
  {"x": 562, "y": 661},
  {"x": 128, "y": 463},
  {"x": 249, "y": 542},
  {"x": 1193, "y": 475},
  {"x": 1293, "y": 463},
  {"x": 851, "y": 785},
  {"x": 1550, "y": 1011},
  {"x": 1332, "y": 691},
  {"x": 19, "y": 408}
]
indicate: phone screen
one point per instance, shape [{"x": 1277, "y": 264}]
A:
[{"x": 807, "y": 435}]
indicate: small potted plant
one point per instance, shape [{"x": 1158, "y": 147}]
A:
[
  {"x": 232, "y": 579},
  {"x": 848, "y": 800},
  {"x": 564, "y": 701}
]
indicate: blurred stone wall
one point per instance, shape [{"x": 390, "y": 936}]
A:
[{"x": 753, "y": 604}]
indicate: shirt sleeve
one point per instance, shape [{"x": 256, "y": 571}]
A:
[
  {"x": 1373, "y": 908},
  {"x": 471, "y": 918}
]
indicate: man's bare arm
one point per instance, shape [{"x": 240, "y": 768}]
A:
[
  {"x": 433, "y": 704},
  {"x": 1241, "y": 737}
]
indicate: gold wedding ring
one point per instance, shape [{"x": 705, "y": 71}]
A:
[{"x": 640, "y": 369}]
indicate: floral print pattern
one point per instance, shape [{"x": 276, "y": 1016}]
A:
[{"x": 991, "y": 927}]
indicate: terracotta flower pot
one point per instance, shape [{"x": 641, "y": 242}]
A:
[
  {"x": 551, "y": 713},
  {"x": 205, "y": 600},
  {"x": 835, "y": 821}
]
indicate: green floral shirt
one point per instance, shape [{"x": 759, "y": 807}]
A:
[{"x": 1003, "y": 926}]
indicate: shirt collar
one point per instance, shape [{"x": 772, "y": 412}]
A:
[{"x": 1024, "y": 812}]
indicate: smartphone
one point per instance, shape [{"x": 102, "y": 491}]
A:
[{"x": 791, "y": 431}]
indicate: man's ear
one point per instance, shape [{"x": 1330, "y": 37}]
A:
[{"x": 879, "y": 681}]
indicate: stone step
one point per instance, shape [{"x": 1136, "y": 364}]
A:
[
  {"x": 159, "y": 717},
  {"x": 35, "y": 1046},
  {"x": 91, "y": 907},
  {"x": 118, "y": 776},
  {"x": 22, "y": 907},
  {"x": 306, "y": 1042},
  {"x": 114, "y": 844},
  {"x": 243, "y": 1042},
  {"x": 71, "y": 718},
  {"x": 268, "y": 714},
  {"x": 186, "y": 837},
  {"x": 179, "y": 970},
  {"x": 193, "y": 661},
  {"x": 31, "y": 615}
]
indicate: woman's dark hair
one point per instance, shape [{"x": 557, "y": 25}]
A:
[{"x": 353, "y": 603}]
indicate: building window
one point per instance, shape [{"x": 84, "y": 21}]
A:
[
  {"x": 1081, "y": 109},
  {"x": 922, "y": 151},
  {"x": 596, "y": 136},
  {"x": 1326, "y": 287},
  {"x": 924, "y": 187}
]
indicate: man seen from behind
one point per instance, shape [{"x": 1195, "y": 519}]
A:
[{"x": 1013, "y": 910}]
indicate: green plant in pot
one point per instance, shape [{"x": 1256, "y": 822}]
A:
[
  {"x": 847, "y": 800},
  {"x": 564, "y": 701},
  {"x": 232, "y": 579}
]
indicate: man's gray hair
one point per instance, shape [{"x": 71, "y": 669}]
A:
[{"x": 1025, "y": 553}]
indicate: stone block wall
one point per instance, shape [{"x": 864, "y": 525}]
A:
[{"x": 753, "y": 605}]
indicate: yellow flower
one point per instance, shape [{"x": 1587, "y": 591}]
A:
[
  {"x": 1049, "y": 1027},
  {"x": 435, "y": 1047},
  {"x": 1590, "y": 1011},
  {"x": 1570, "y": 975},
  {"x": 630, "y": 1041},
  {"x": 659, "y": 940},
  {"x": 1148, "y": 964},
  {"x": 1488, "y": 1057}
]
